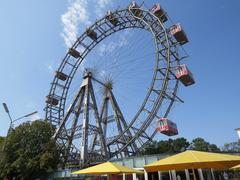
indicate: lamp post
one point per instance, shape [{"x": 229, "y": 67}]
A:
[
  {"x": 12, "y": 121},
  {"x": 238, "y": 132}
]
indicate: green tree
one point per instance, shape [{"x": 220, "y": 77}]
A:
[
  {"x": 29, "y": 152},
  {"x": 1, "y": 146},
  {"x": 232, "y": 147},
  {"x": 167, "y": 146},
  {"x": 213, "y": 148},
  {"x": 200, "y": 144},
  {"x": 150, "y": 148},
  {"x": 180, "y": 144},
  {"x": 1, "y": 142}
]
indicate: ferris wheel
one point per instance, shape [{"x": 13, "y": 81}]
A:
[{"x": 91, "y": 122}]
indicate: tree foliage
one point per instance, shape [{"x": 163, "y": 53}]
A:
[
  {"x": 200, "y": 144},
  {"x": 29, "y": 152},
  {"x": 1, "y": 146},
  {"x": 178, "y": 145},
  {"x": 1, "y": 142},
  {"x": 232, "y": 147},
  {"x": 168, "y": 146}
]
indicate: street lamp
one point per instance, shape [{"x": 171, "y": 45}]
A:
[
  {"x": 238, "y": 132},
  {"x": 7, "y": 111},
  {"x": 12, "y": 121}
]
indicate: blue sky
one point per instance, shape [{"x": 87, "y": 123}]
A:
[{"x": 33, "y": 44}]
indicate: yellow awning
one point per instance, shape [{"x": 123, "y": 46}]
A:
[
  {"x": 193, "y": 160},
  {"x": 107, "y": 168},
  {"x": 236, "y": 167}
]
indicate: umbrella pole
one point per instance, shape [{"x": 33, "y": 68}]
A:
[
  {"x": 212, "y": 174},
  {"x": 124, "y": 176},
  {"x": 170, "y": 175},
  {"x": 194, "y": 175},
  {"x": 145, "y": 175},
  {"x": 159, "y": 175},
  {"x": 187, "y": 174}
]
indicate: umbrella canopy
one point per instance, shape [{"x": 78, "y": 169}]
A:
[
  {"x": 236, "y": 167},
  {"x": 194, "y": 160},
  {"x": 107, "y": 168}
]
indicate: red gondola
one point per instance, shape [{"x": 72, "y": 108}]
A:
[
  {"x": 167, "y": 127},
  {"x": 74, "y": 53},
  {"x": 134, "y": 8},
  {"x": 184, "y": 75},
  {"x": 51, "y": 100},
  {"x": 177, "y": 31},
  {"x": 61, "y": 75},
  {"x": 92, "y": 34},
  {"x": 158, "y": 11},
  {"x": 111, "y": 18}
]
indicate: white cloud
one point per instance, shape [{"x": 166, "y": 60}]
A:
[
  {"x": 79, "y": 12},
  {"x": 34, "y": 117},
  {"x": 30, "y": 106},
  {"x": 102, "y": 73},
  {"x": 103, "y": 3},
  {"x": 50, "y": 68},
  {"x": 109, "y": 47},
  {"x": 75, "y": 15},
  {"x": 101, "y": 6}
]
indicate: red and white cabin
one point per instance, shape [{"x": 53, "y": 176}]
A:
[
  {"x": 92, "y": 34},
  {"x": 51, "y": 100},
  {"x": 134, "y": 8},
  {"x": 177, "y": 31},
  {"x": 61, "y": 75},
  {"x": 184, "y": 75},
  {"x": 158, "y": 11},
  {"x": 167, "y": 127},
  {"x": 111, "y": 18}
]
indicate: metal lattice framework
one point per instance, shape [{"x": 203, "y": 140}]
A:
[{"x": 132, "y": 135}]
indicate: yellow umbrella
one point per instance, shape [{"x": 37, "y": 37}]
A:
[
  {"x": 193, "y": 160},
  {"x": 236, "y": 167},
  {"x": 107, "y": 168}
]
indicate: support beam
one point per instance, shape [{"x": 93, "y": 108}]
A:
[
  {"x": 84, "y": 145},
  {"x": 74, "y": 124},
  {"x": 98, "y": 123},
  {"x": 119, "y": 115},
  {"x": 70, "y": 110}
]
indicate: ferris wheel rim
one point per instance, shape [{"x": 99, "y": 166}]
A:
[{"x": 75, "y": 45}]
